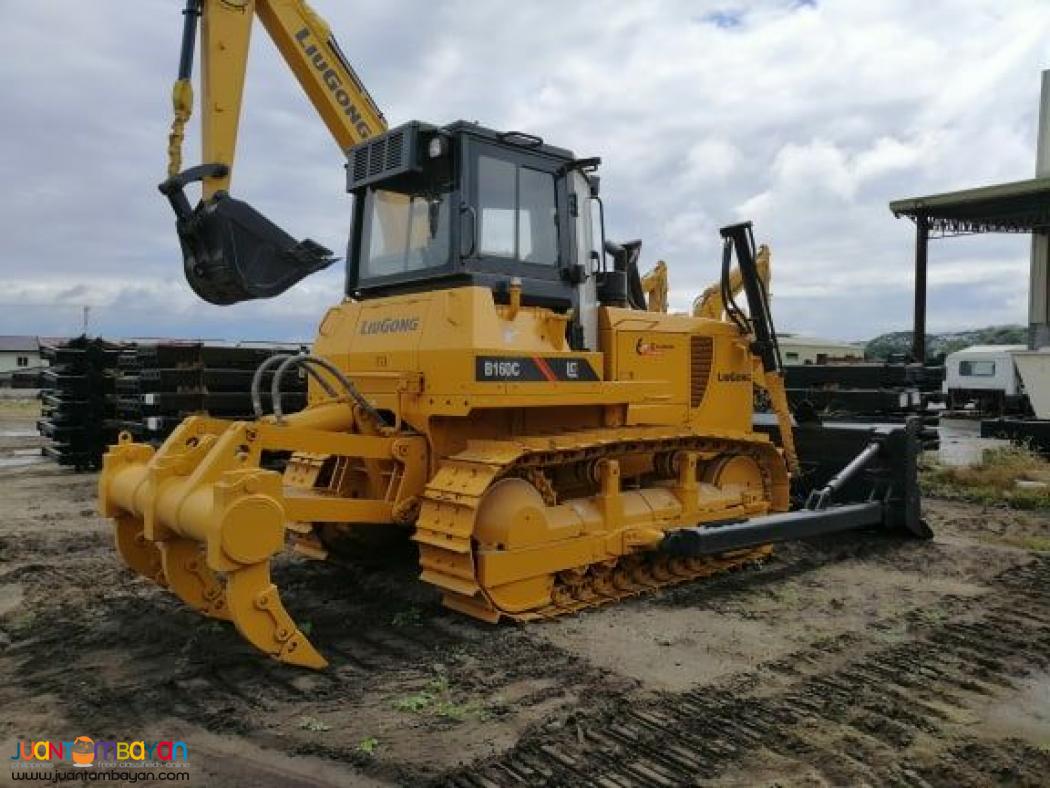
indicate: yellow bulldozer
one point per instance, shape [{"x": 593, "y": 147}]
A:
[{"x": 499, "y": 383}]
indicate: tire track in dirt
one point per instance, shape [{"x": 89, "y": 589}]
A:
[
  {"x": 135, "y": 656},
  {"x": 876, "y": 717},
  {"x": 859, "y": 706}
]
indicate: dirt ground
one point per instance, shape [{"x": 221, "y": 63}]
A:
[{"x": 866, "y": 661}]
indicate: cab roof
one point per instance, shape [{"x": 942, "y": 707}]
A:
[{"x": 519, "y": 139}]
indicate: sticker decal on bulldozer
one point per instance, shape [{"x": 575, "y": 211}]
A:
[{"x": 533, "y": 369}]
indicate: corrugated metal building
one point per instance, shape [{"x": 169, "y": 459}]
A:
[{"x": 798, "y": 349}]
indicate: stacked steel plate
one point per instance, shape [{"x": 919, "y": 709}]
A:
[
  {"x": 94, "y": 390},
  {"x": 78, "y": 401},
  {"x": 162, "y": 383}
]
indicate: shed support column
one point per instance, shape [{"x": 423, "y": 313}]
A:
[
  {"x": 922, "y": 243},
  {"x": 1039, "y": 281},
  {"x": 1038, "y": 295}
]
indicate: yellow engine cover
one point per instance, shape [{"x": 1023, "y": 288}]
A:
[{"x": 455, "y": 353}]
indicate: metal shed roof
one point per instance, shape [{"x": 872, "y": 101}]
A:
[
  {"x": 988, "y": 350},
  {"x": 1016, "y": 207},
  {"x": 19, "y": 344}
]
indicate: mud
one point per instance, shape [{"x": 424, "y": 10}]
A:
[{"x": 838, "y": 662}]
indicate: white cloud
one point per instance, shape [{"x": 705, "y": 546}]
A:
[
  {"x": 808, "y": 120},
  {"x": 710, "y": 160}
]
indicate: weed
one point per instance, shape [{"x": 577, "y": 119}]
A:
[
  {"x": 416, "y": 702},
  {"x": 435, "y": 699},
  {"x": 458, "y": 711},
  {"x": 409, "y": 617},
  {"x": 314, "y": 724},
  {"x": 22, "y": 622},
  {"x": 930, "y": 616},
  {"x": 785, "y": 594},
  {"x": 368, "y": 745},
  {"x": 1040, "y": 543}
]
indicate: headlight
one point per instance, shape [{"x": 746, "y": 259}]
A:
[{"x": 436, "y": 149}]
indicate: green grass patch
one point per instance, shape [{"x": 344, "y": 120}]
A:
[
  {"x": 314, "y": 724},
  {"x": 368, "y": 746},
  {"x": 21, "y": 623},
  {"x": 436, "y": 700},
  {"x": 992, "y": 481},
  {"x": 409, "y": 617},
  {"x": 1038, "y": 543}
]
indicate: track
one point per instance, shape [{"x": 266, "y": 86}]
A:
[
  {"x": 446, "y": 527},
  {"x": 859, "y": 721}
]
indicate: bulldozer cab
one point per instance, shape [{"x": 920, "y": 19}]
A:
[{"x": 440, "y": 207}]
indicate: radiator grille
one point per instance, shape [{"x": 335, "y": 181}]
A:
[
  {"x": 382, "y": 154},
  {"x": 701, "y": 351},
  {"x": 361, "y": 163},
  {"x": 395, "y": 142},
  {"x": 377, "y": 156}
]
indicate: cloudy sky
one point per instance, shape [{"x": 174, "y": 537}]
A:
[{"x": 807, "y": 117}]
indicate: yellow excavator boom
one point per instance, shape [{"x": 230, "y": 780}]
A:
[
  {"x": 711, "y": 303},
  {"x": 655, "y": 286},
  {"x": 231, "y": 252},
  {"x": 311, "y": 51}
]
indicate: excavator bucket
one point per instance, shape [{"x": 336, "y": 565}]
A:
[{"x": 233, "y": 253}]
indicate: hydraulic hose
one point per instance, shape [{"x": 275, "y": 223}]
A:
[
  {"x": 257, "y": 405},
  {"x": 307, "y": 362}
]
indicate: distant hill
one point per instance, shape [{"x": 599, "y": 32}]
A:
[{"x": 939, "y": 345}]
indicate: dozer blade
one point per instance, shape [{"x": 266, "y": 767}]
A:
[{"x": 231, "y": 252}]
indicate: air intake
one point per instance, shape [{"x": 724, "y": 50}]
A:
[
  {"x": 384, "y": 157},
  {"x": 701, "y": 351}
]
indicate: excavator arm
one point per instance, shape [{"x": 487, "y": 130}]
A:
[
  {"x": 711, "y": 303},
  {"x": 232, "y": 252},
  {"x": 655, "y": 285}
]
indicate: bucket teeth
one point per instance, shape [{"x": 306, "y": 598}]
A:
[
  {"x": 190, "y": 578},
  {"x": 256, "y": 610}
]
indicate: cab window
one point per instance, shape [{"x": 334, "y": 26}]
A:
[
  {"x": 977, "y": 369},
  {"x": 404, "y": 232},
  {"x": 517, "y": 212}
]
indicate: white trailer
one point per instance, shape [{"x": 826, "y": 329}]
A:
[{"x": 986, "y": 377}]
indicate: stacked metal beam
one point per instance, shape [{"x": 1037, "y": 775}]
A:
[
  {"x": 78, "y": 401},
  {"x": 162, "y": 383},
  {"x": 886, "y": 392},
  {"x": 94, "y": 390},
  {"x": 871, "y": 392}
]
